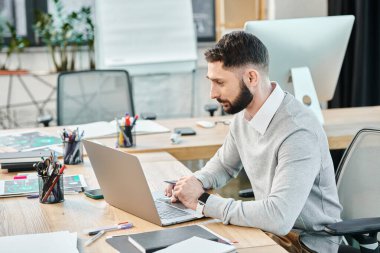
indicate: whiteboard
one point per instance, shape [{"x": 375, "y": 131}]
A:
[{"x": 145, "y": 36}]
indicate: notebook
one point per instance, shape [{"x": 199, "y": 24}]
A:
[{"x": 156, "y": 240}]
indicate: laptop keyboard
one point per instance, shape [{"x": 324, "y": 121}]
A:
[{"x": 166, "y": 211}]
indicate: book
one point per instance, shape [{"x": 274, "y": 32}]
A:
[
  {"x": 29, "y": 140},
  {"x": 199, "y": 245},
  {"x": 17, "y": 161},
  {"x": 152, "y": 241}
]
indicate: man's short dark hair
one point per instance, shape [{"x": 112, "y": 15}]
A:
[{"x": 238, "y": 49}]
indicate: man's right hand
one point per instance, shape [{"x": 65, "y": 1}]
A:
[{"x": 169, "y": 192}]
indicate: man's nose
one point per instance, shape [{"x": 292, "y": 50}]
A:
[{"x": 214, "y": 92}]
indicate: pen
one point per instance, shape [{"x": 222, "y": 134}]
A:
[
  {"x": 173, "y": 182},
  {"x": 134, "y": 121},
  {"x": 109, "y": 228},
  {"x": 93, "y": 239}
]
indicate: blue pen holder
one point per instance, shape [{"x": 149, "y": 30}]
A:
[{"x": 72, "y": 152}]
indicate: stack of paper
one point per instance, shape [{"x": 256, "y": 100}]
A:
[
  {"x": 106, "y": 129},
  {"x": 57, "y": 242}
]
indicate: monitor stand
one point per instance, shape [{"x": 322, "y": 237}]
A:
[{"x": 304, "y": 90}]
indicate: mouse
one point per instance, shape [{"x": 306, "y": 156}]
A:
[{"x": 205, "y": 124}]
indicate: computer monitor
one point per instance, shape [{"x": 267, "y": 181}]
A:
[{"x": 305, "y": 53}]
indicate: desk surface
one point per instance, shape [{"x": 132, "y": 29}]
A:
[
  {"x": 20, "y": 215},
  {"x": 340, "y": 125}
]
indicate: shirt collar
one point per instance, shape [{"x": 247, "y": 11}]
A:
[{"x": 263, "y": 117}]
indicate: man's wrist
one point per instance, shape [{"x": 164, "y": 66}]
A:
[{"x": 201, "y": 204}]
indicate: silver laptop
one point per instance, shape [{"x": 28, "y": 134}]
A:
[{"x": 123, "y": 184}]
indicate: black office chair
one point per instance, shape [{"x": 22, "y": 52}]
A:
[
  {"x": 358, "y": 183},
  {"x": 95, "y": 95},
  {"x": 211, "y": 108}
]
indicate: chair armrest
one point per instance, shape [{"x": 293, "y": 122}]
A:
[
  {"x": 148, "y": 115},
  {"x": 246, "y": 193},
  {"x": 354, "y": 227},
  {"x": 211, "y": 108},
  {"x": 45, "y": 119}
]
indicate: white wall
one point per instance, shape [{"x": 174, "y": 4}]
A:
[
  {"x": 282, "y": 9},
  {"x": 168, "y": 96}
]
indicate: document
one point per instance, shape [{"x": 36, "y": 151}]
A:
[
  {"x": 21, "y": 187},
  {"x": 57, "y": 242},
  {"x": 107, "y": 129}
]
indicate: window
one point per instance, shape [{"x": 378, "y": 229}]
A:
[
  {"x": 21, "y": 14},
  {"x": 204, "y": 19}
]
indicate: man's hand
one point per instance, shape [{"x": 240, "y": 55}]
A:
[
  {"x": 169, "y": 191},
  {"x": 187, "y": 190}
]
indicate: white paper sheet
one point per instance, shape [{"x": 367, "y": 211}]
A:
[{"x": 57, "y": 242}]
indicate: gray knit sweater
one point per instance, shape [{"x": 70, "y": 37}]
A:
[{"x": 291, "y": 173}]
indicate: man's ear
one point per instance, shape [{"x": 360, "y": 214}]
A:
[{"x": 251, "y": 77}]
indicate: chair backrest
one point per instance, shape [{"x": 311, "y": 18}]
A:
[
  {"x": 358, "y": 176},
  {"x": 96, "y": 95}
]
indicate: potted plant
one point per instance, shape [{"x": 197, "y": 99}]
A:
[
  {"x": 17, "y": 44},
  {"x": 63, "y": 34},
  {"x": 89, "y": 32}
]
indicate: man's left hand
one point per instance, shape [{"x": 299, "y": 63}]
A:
[{"x": 188, "y": 189}]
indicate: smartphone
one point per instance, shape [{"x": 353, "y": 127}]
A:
[
  {"x": 94, "y": 194},
  {"x": 184, "y": 131}
]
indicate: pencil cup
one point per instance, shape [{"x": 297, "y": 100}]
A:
[
  {"x": 50, "y": 191},
  {"x": 72, "y": 152},
  {"x": 126, "y": 137}
]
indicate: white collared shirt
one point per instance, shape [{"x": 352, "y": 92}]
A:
[{"x": 263, "y": 117}]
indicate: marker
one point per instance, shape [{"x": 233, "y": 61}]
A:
[
  {"x": 93, "y": 239},
  {"x": 109, "y": 228}
]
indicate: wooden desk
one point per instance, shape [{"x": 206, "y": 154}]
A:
[
  {"x": 25, "y": 216},
  {"x": 341, "y": 125}
]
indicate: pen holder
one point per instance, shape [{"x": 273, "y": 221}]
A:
[
  {"x": 126, "y": 137},
  {"x": 55, "y": 191},
  {"x": 72, "y": 152}
]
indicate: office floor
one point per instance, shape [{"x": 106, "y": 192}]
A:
[{"x": 231, "y": 190}]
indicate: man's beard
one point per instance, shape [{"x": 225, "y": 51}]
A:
[{"x": 241, "y": 102}]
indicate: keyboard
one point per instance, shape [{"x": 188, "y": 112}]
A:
[{"x": 166, "y": 211}]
